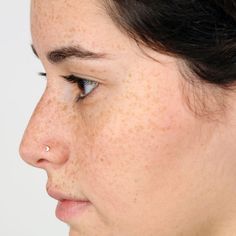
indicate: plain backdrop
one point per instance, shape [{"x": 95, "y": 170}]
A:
[{"x": 25, "y": 207}]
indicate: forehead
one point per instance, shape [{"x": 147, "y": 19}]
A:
[
  {"x": 59, "y": 11},
  {"x": 58, "y": 22}
]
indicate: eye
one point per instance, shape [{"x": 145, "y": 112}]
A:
[{"x": 84, "y": 85}]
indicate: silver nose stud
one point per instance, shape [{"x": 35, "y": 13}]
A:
[{"x": 47, "y": 149}]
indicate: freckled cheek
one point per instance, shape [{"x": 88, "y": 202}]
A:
[
  {"x": 138, "y": 139},
  {"x": 120, "y": 157},
  {"x": 127, "y": 133}
]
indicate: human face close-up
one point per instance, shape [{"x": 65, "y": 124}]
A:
[{"x": 131, "y": 148}]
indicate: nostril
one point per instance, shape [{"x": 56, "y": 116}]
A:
[{"x": 41, "y": 163}]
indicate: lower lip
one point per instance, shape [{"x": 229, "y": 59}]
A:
[{"x": 67, "y": 210}]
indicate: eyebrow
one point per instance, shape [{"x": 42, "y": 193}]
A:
[{"x": 62, "y": 54}]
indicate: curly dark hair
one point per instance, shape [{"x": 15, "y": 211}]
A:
[{"x": 201, "y": 32}]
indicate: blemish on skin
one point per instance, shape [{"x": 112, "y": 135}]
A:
[
  {"x": 72, "y": 29},
  {"x": 64, "y": 108},
  {"x": 49, "y": 102},
  {"x": 119, "y": 47},
  {"x": 92, "y": 70},
  {"x": 72, "y": 117}
]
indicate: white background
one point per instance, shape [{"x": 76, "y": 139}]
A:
[{"x": 25, "y": 208}]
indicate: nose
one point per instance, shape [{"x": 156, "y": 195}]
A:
[{"x": 44, "y": 144}]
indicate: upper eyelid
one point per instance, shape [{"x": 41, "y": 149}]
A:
[
  {"x": 77, "y": 80},
  {"x": 93, "y": 76},
  {"x": 66, "y": 76}
]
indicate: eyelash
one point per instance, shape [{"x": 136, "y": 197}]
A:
[{"x": 81, "y": 83}]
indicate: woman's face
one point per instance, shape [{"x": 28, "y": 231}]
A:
[{"x": 131, "y": 147}]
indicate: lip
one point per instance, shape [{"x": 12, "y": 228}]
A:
[
  {"x": 69, "y": 208},
  {"x": 61, "y": 196}
]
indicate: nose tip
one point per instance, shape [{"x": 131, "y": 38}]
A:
[
  {"x": 28, "y": 155},
  {"x": 43, "y": 155},
  {"x": 23, "y": 151}
]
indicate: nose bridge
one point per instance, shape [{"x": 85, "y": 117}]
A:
[{"x": 42, "y": 143}]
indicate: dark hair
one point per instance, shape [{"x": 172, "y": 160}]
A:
[{"x": 201, "y": 32}]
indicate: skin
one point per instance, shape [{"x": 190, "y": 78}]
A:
[{"x": 133, "y": 148}]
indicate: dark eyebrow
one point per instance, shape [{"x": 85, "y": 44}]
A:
[{"x": 61, "y": 54}]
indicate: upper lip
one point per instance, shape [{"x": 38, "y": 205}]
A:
[{"x": 63, "y": 197}]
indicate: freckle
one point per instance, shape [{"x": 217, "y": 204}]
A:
[
  {"x": 118, "y": 46},
  {"x": 74, "y": 117},
  {"x": 73, "y": 29},
  {"x": 92, "y": 70},
  {"x": 49, "y": 101},
  {"x": 64, "y": 108},
  {"x": 70, "y": 116}
]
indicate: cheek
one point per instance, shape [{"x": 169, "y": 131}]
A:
[{"x": 139, "y": 148}]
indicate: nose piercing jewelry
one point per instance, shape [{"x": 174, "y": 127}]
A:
[{"x": 47, "y": 148}]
